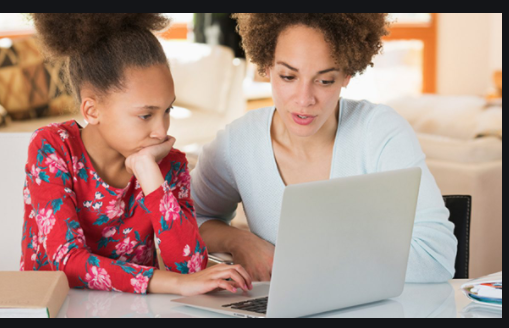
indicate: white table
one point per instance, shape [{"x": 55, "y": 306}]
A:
[{"x": 417, "y": 301}]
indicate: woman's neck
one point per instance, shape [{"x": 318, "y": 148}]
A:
[{"x": 305, "y": 146}]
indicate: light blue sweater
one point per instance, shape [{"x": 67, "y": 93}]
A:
[{"x": 239, "y": 166}]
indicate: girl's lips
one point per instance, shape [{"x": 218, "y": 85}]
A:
[{"x": 303, "y": 121}]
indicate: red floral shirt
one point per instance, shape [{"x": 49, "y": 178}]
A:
[{"x": 103, "y": 237}]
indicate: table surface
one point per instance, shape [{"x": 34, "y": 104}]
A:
[{"x": 417, "y": 301}]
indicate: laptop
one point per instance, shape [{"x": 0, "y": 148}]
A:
[{"x": 341, "y": 243}]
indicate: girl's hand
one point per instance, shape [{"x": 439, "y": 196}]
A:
[
  {"x": 144, "y": 165},
  {"x": 149, "y": 154},
  {"x": 214, "y": 278}
]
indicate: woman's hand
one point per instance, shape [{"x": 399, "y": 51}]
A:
[
  {"x": 213, "y": 278},
  {"x": 144, "y": 165},
  {"x": 256, "y": 255}
]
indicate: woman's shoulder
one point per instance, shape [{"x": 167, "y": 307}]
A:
[
  {"x": 366, "y": 113},
  {"x": 257, "y": 119}
]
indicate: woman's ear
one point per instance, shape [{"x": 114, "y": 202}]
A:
[{"x": 346, "y": 81}]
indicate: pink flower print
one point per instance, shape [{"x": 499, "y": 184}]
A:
[
  {"x": 26, "y": 196},
  {"x": 63, "y": 134},
  {"x": 115, "y": 209},
  {"x": 140, "y": 284},
  {"x": 56, "y": 164},
  {"x": 143, "y": 252},
  {"x": 125, "y": 247},
  {"x": 196, "y": 263},
  {"x": 61, "y": 252},
  {"x": 76, "y": 164},
  {"x": 187, "y": 251},
  {"x": 183, "y": 184},
  {"x": 109, "y": 232},
  {"x": 98, "y": 279},
  {"x": 45, "y": 220},
  {"x": 169, "y": 208},
  {"x": 35, "y": 174},
  {"x": 34, "y": 135}
]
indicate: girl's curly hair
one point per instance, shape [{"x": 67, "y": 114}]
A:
[
  {"x": 98, "y": 47},
  {"x": 354, "y": 38}
]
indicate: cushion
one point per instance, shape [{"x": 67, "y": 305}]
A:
[
  {"x": 479, "y": 150},
  {"x": 29, "y": 87},
  {"x": 448, "y": 116},
  {"x": 202, "y": 74}
]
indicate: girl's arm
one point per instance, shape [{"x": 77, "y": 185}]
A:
[
  {"x": 174, "y": 221},
  {"x": 54, "y": 209}
]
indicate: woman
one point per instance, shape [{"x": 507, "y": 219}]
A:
[
  {"x": 95, "y": 196},
  {"x": 311, "y": 134}
]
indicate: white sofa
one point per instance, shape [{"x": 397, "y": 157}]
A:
[
  {"x": 462, "y": 139},
  {"x": 13, "y": 156}
]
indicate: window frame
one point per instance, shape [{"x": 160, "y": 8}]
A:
[{"x": 427, "y": 34}]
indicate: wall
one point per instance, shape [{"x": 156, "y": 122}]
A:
[{"x": 469, "y": 50}]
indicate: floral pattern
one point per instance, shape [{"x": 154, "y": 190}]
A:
[{"x": 103, "y": 237}]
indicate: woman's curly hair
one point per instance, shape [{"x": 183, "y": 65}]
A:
[
  {"x": 354, "y": 38},
  {"x": 98, "y": 47}
]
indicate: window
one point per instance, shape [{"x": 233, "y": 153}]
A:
[
  {"x": 15, "y": 25},
  {"x": 407, "y": 66}
]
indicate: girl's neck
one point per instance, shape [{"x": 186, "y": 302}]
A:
[{"x": 108, "y": 163}]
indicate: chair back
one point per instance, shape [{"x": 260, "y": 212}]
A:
[
  {"x": 13, "y": 157},
  {"x": 460, "y": 208}
]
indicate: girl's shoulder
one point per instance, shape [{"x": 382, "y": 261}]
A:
[{"x": 57, "y": 133}]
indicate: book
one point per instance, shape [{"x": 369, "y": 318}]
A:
[
  {"x": 32, "y": 294},
  {"x": 486, "y": 290}
]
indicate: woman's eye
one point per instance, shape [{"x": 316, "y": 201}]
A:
[
  {"x": 326, "y": 82},
  {"x": 145, "y": 117},
  {"x": 287, "y": 78},
  {"x": 169, "y": 110}
]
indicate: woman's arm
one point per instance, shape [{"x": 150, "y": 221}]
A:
[
  {"x": 216, "y": 197},
  {"x": 394, "y": 145}
]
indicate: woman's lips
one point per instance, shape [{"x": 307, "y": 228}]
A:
[{"x": 303, "y": 119}]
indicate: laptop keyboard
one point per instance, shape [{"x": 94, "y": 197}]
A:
[{"x": 258, "y": 305}]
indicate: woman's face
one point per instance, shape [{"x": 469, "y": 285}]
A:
[
  {"x": 139, "y": 115},
  {"x": 306, "y": 82}
]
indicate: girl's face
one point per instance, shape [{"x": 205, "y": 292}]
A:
[
  {"x": 306, "y": 82},
  {"x": 139, "y": 115}
]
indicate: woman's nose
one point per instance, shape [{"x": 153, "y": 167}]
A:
[{"x": 305, "y": 96}]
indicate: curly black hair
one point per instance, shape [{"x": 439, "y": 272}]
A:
[
  {"x": 98, "y": 47},
  {"x": 354, "y": 38}
]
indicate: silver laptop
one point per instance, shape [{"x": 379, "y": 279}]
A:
[{"x": 341, "y": 243}]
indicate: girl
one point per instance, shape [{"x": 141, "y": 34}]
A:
[
  {"x": 96, "y": 195},
  {"x": 311, "y": 134}
]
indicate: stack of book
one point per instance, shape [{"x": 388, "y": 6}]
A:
[{"x": 32, "y": 294}]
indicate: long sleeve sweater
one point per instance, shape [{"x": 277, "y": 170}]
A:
[{"x": 240, "y": 166}]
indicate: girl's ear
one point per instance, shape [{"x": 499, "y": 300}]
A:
[
  {"x": 90, "y": 106},
  {"x": 90, "y": 110}
]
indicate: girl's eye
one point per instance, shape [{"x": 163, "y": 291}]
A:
[
  {"x": 145, "y": 117},
  {"x": 169, "y": 110}
]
